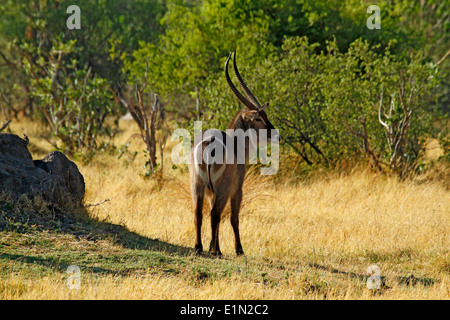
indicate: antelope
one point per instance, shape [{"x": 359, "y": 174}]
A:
[{"x": 222, "y": 181}]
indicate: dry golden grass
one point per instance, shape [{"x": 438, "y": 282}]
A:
[{"x": 306, "y": 240}]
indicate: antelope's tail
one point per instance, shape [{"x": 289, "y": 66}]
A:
[{"x": 208, "y": 173}]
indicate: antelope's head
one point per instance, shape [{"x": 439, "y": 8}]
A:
[{"x": 254, "y": 116}]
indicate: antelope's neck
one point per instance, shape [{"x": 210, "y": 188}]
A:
[{"x": 236, "y": 124}]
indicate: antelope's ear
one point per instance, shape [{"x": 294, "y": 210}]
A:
[
  {"x": 265, "y": 106},
  {"x": 249, "y": 115}
]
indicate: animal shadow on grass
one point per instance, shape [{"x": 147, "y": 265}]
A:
[
  {"x": 39, "y": 224},
  {"x": 120, "y": 235},
  {"x": 410, "y": 280},
  {"x": 25, "y": 215}
]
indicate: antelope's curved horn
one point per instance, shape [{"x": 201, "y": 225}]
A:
[
  {"x": 244, "y": 87},
  {"x": 236, "y": 92}
]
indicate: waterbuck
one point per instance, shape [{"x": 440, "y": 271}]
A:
[{"x": 223, "y": 180}]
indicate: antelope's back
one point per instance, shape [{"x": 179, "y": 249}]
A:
[{"x": 209, "y": 157}]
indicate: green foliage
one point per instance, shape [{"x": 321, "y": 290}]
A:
[
  {"x": 322, "y": 70},
  {"x": 69, "y": 75},
  {"x": 123, "y": 23},
  {"x": 326, "y": 105},
  {"x": 74, "y": 103},
  {"x": 196, "y": 41}
]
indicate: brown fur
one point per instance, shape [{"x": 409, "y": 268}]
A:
[{"x": 227, "y": 185}]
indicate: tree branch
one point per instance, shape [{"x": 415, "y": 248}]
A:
[
  {"x": 443, "y": 58},
  {"x": 3, "y": 127}
]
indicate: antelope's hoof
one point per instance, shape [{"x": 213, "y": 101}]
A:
[
  {"x": 239, "y": 252},
  {"x": 198, "y": 249},
  {"x": 216, "y": 253}
]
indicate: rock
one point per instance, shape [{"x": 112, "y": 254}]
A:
[
  {"x": 55, "y": 178},
  {"x": 13, "y": 146}
]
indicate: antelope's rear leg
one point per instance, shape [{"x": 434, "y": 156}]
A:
[
  {"x": 216, "y": 212},
  {"x": 198, "y": 217},
  {"x": 235, "y": 203}
]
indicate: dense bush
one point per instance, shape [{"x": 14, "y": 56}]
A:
[
  {"x": 69, "y": 77},
  {"x": 327, "y": 105},
  {"x": 74, "y": 102},
  {"x": 337, "y": 89}
]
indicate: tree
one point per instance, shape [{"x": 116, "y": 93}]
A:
[
  {"x": 74, "y": 102},
  {"x": 327, "y": 105},
  {"x": 194, "y": 46}
]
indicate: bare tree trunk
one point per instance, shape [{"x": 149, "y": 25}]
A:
[
  {"x": 3, "y": 127},
  {"x": 148, "y": 119},
  {"x": 365, "y": 146},
  {"x": 396, "y": 127},
  {"x": 197, "y": 103}
]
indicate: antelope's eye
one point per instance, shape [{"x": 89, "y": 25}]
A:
[{"x": 258, "y": 119}]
